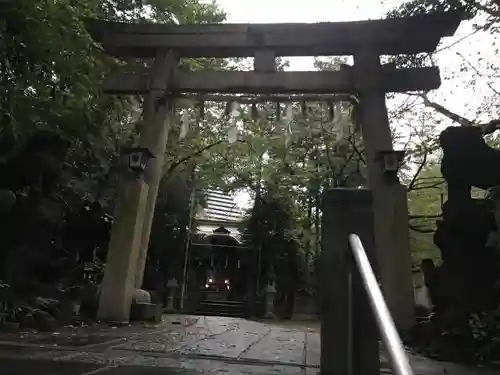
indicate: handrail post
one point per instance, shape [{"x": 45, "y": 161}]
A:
[{"x": 345, "y": 351}]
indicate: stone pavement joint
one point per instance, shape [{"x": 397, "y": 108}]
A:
[
  {"x": 255, "y": 343},
  {"x": 210, "y": 345}
]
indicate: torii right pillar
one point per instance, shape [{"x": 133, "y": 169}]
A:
[{"x": 389, "y": 198}]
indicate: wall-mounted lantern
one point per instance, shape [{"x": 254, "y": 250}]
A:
[
  {"x": 138, "y": 158},
  {"x": 390, "y": 162}
]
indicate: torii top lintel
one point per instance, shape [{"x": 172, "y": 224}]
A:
[{"x": 387, "y": 37}]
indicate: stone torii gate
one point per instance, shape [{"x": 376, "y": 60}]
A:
[{"x": 366, "y": 41}]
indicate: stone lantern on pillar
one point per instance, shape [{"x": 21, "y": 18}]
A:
[
  {"x": 172, "y": 286},
  {"x": 270, "y": 292},
  {"x": 138, "y": 158},
  {"x": 390, "y": 161}
]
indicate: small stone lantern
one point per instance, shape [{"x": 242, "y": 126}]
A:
[
  {"x": 390, "y": 161},
  {"x": 270, "y": 292},
  {"x": 172, "y": 286},
  {"x": 138, "y": 158}
]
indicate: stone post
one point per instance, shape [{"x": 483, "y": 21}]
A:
[
  {"x": 117, "y": 285},
  {"x": 496, "y": 208},
  {"x": 349, "y": 337},
  {"x": 172, "y": 286},
  {"x": 400, "y": 263},
  {"x": 270, "y": 292},
  {"x": 389, "y": 200}
]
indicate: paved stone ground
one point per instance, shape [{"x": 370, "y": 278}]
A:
[{"x": 180, "y": 345}]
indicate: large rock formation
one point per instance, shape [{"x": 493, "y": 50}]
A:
[{"x": 466, "y": 281}]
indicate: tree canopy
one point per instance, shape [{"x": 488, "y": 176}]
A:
[{"x": 60, "y": 140}]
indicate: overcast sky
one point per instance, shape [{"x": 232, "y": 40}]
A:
[
  {"x": 458, "y": 89},
  {"x": 462, "y": 92},
  {"x": 277, "y": 11},
  {"x": 262, "y": 11}
]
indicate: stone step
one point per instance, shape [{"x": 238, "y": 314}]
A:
[
  {"x": 222, "y": 308},
  {"x": 218, "y": 312},
  {"x": 225, "y": 314},
  {"x": 223, "y": 303},
  {"x": 206, "y": 307}
]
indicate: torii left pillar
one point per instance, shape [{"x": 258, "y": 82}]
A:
[
  {"x": 154, "y": 136},
  {"x": 127, "y": 252}
]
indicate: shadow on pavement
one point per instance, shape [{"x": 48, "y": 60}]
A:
[{"x": 48, "y": 367}]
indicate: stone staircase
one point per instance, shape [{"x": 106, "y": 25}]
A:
[{"x": 234, "y": 309}]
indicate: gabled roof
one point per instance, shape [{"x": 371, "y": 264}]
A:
[{"x": 221, "y": 207}]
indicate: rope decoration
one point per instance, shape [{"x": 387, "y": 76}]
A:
[{"x": 339, "y": 119}]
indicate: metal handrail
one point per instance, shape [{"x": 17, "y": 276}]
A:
[{"x": 390, "y": 337}]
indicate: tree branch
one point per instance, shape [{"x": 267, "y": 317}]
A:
[
  {"x": 181, "y": 161},
  {"x": 419, "y": 170},
  {"x": 327, "y": 149},
  {"x": 341, "y": 171},
  {"x": 484, "y": 8},
  {"x": 431, "y": 186},
  {"x": 357, "y": 151},
  {"x": 248, "y": 181},
  {"x": 487, "y": 128},
  {"x": 478, "y": 73},
  {"x": 490, "y": 127},
  {"x": 445, "y": 112}
]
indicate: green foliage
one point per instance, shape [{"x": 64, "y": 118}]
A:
[
  {"x": 296, "y": 164},
  {"x": 460, "y": 339},
  {"x": 294, "y": 160},
  {"x": 427, "y": 116},
  {"x": 425, "y": 199},
  {"x": 285, "y": 166},
  {"x": 169, "y": 232},
  {"x": 270, "y": 229},
  {"x": 51, "y": 76},
  {"x": 417, "y": 7},
  {"x": 485, "y": 330}
]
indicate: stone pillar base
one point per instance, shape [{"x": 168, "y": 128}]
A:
[
  {"x": 270, "y": 296},
  {"x": 305, "y": 317},
  {"x": 146, "y": 312},
  {"x": 141, "y": 296},
  {"x": 270, "y": 315},
  {"x": 117, "y": 287},
  {"x": 172, "y": 286},
  {"x": 395, "y": 258},
  {"x": 170, "y": 305}
]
